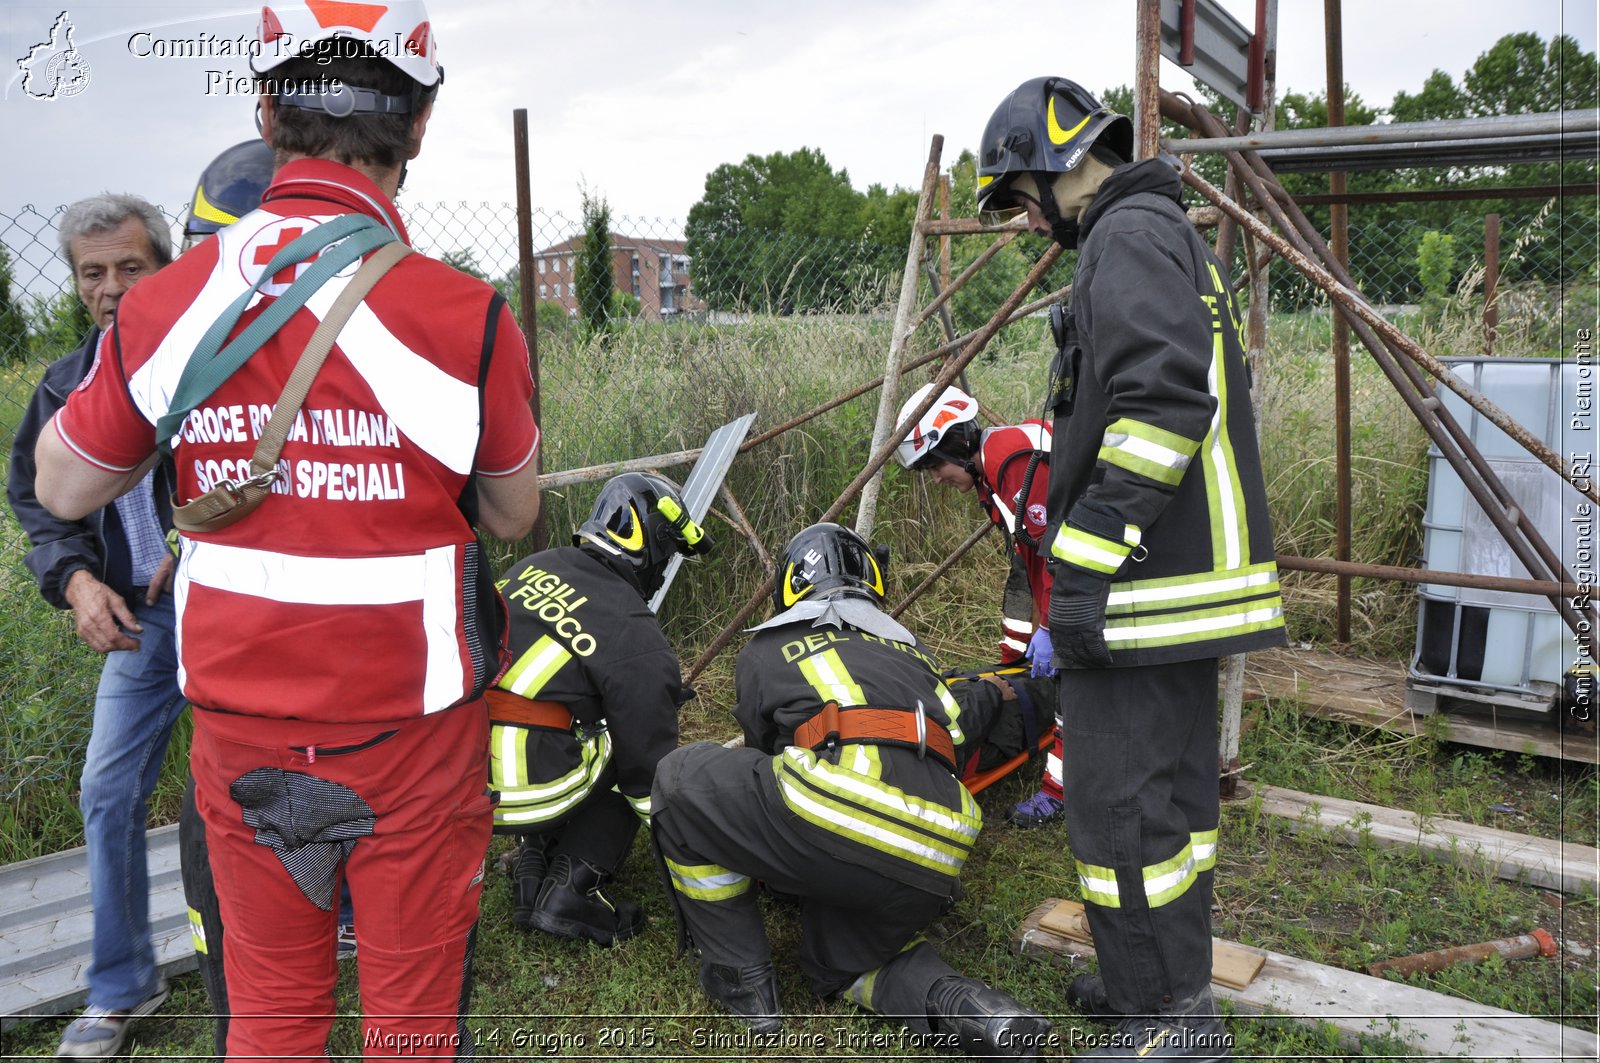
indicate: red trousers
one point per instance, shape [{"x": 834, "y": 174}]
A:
[{"x": 415, "y": 873}]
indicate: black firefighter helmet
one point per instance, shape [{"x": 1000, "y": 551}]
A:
[
  {"x": 229, "y": 188},
  {"x": 827, "y": 559},
  {"x": 1046, "y": 126},
  {"x": 641, "y": 518}
]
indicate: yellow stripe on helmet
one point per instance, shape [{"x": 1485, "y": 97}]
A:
[{"x": 1058, "y": 135}]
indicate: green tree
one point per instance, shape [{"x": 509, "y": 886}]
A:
[
  {"x": 14, "y": 346},
  {"x": 594, "y": 276},
  {"x": 787, "y": 232}
]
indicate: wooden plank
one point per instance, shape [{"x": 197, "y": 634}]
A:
[
  {"x": 47, "y": 926},
  {"x": 1359, "y": 1005},
  {"x": 1230, "y": 964},
  {"x": 1565, "y": 866},
  {"x": 1356, "y": 690}
]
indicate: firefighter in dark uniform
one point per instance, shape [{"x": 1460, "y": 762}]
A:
[
  {"x": 588, "y": 708},
  {"x": 1160, "y": 545},
  {"x": 845, "y": 796}
]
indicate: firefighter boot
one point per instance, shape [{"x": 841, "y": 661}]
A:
[
  {"x": 527, "y": 875},
  {"x": 572, "y": 904},
  {"x": 1191, "y": 1029},
  {"x": 984, "y": 1022},
  {"x": 750, "y": 993},
  {"x": 1087, "y": 993}
]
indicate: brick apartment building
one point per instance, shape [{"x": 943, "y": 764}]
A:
[{"x": 656, "y": 272}]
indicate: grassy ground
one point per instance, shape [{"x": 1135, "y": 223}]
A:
[{"x": 1298, "y": 893}]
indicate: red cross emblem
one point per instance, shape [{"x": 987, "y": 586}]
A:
[
  {"x": 265, "y": 252},
  {"x": 260, "y": 247}
]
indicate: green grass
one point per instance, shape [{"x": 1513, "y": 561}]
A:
[{"x": 653, "y": 390}]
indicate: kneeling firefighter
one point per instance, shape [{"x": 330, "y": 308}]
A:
[
  {"x": 845, "y": 796},
  {"x": 580, "y": 720}
]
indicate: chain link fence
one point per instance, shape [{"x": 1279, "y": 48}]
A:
[{"x": 708, "y": 326}]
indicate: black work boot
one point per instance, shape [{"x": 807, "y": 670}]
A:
[
  {"x": 1190, "y": 1029},
  {"x": 749, "y": 993},
  {"x": 527, "y": 875},
  {"x": 571, "y": 904},
  {"x": 985, "y": 1022},
  {"x": 1087, "y": 993}
]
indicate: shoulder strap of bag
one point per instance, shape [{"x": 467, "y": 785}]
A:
[
  {"x": 196, "y": 514},
  {"x": 212, "y": 363}
]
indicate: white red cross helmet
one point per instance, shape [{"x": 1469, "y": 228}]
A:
[
  {"x": 954, "y": 407},
  {"x": 399, "y": 32}
]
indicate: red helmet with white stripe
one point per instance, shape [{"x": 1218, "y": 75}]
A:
[
  {"x": 947, "y": 432},
  {"x": 399, "y": 32}
]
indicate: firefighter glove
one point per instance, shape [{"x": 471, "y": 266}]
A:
[
  {"x": 1078, "y": 621},
  {"x": 1039, "y": 653}
]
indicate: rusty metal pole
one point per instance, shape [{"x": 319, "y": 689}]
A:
[
  {"x": 1339, "y": 216},
  {"x": 980, "y": 339},
  {"x": 1520, "y": 534},
  {"x": 1538, "y": 943},
  {"x": 530, "y": 315},
  {"x": 1147, "y": 82},
  {"x": 1229, "y": 735},
  {"x": 944, "y": 241},
  {"x": 1491, "y": 280}
]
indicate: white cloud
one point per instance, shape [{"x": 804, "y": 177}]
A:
[{"x": 642, "y": 99}]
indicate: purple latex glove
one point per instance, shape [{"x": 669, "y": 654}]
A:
[{"x": 1039, "y": 653}]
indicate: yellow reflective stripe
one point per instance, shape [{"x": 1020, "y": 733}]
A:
[
  {"x": 1146, "y": 450},
  {"x": 523, "y": 802},
  {"x": 827, "y": 675},
  {"x": 1254, "y": 581},
  {"x": 1230, "y": 538},
  {"x": 1099, "y": 885},
  {"x": 1078, "y": 547},
  {"x": 1168, "y": 880},
  {"x": 197, "y": 931},
  {"x": 1166, "y": 629},
  {"x": 1204, "y": 844},
  {"x": 205, "y": 210},
  {"x": 952, "y": 711},
  {"x": 534, "y": 668},
  {"x": 860, "y": 991},
  {"x": 706, "y": 882},
  {"x": 893, "y": 822},
  {"x": 641, "y": 806}
]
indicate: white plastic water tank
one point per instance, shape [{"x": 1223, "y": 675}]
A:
[{"x": 1498, "y": 640}]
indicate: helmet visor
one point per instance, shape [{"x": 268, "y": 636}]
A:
[{"x": 1010, "y": 199}]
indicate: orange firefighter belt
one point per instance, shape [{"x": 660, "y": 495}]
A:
[
  {"x": 506, "y": 707},
  {"x": 862, "y": 724}
]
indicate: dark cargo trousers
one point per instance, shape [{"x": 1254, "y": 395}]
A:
[
  {"x": 1142, "y": 808},
  {"x": 721, "y": 828}
]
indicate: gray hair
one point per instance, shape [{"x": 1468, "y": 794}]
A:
[{"x": 102, "y": 213}]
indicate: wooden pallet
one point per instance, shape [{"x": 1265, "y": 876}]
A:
[
  {"x": 1356, "y": 1004},
  {"x": 1356, "y": 690},
  {"x": 47, "y": 923}
]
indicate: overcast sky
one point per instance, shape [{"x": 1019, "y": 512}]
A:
[{"x": 642, "y": 98}]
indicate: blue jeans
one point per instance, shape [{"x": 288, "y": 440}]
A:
[{"x": 134, "y": 709}]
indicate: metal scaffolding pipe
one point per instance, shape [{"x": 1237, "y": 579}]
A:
[
  {"x": 1529, "y": 547},
  {"x": 1002, "y": 317},
  {"x": 1327, "y": 566},
  {"x": 1494, "y": 126},
  {"x": 944, "y": 566}
]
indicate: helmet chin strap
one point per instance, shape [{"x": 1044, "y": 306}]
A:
[{"x": 1063, "y": 231}]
